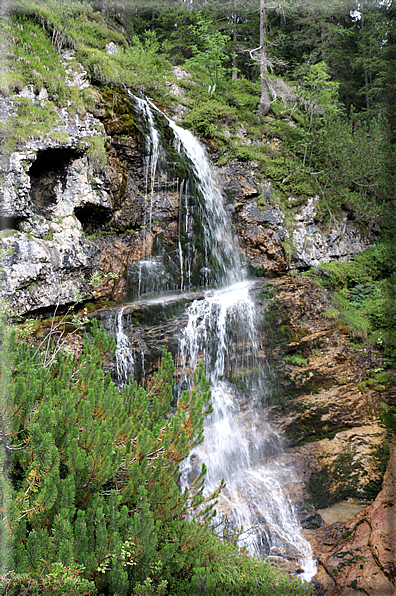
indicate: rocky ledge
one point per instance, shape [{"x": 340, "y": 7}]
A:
[{"x": 359, "y": 556}]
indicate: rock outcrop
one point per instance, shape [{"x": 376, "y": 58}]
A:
[
  {"x": 313, "y": 246},
  {"x": 330, "y": 422},
  {"x": 359, "y": 556},
  {"x": 260, "y": 231},
  {"x": 58, "y": 193},
  {"x": 49, "y": 189}
]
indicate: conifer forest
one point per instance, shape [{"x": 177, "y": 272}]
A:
[{"x": 197, "y": 297}]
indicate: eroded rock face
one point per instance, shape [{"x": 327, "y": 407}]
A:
[
  {"x": 259, "y": 231},
  {"x": 57, "y": 181},
  {"x": 359, "y": 557},
  {"x": 49, "y": 190},
  {"x": 334, "y": 438},
  {"x": 312, "y": 247},
  {"x": 46, "y": 268},
  {"x": 347, "y": 466}
]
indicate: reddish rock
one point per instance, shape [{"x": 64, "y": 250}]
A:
[{"x": 359, "y": 557}]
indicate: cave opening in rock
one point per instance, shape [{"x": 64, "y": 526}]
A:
[
  {"x": 48, "y": 175},
  {"x": 9, "y": 223},
  {"x": 92, "y": 217}
]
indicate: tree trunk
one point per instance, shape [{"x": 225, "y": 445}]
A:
[
  {"x": 366, "y": 80},
  {"x": 265, "y": 101},
  {"x": 104, "y": 8},
  {"x": 235, "y": 39}
]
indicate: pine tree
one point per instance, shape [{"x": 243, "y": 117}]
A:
[{"x": 95, "y": 474}]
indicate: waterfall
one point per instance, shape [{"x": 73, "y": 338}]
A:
[
  {"x": 124, "y": 354},
  {"x": 223, "y": 331},
  {"x": 218, "y": 239},
  {"x": 152, "y": 150},
  {"x": 239, "y": 444}
]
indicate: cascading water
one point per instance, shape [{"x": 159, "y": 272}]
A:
[
  {"x": 222, "y": 330},
  {"x": 152, "y": 151},
  {"x": 124, "y": 354},
  {"x": 240, "y": 445},
  {"x": 219, "y": 244}
]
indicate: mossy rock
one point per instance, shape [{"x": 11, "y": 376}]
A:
[
  {"x": 339, "y": 481},
  {"x": 119, "y": 113}
]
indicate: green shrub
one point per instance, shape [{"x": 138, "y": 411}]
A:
[
  {"x": 206, "y": 118},
  {"x": 370, "y": 265},
  {"x": 94, "y": 503},
  {"x": 296, "y": 359}
]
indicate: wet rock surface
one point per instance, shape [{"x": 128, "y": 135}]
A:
[
  {"x": 331, "y": 424},
  {"x": 64, "y": 216},
  {"x": 52, "y": 178},
  {"x": 359, "y": 556}
]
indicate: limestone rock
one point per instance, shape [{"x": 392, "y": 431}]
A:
[
  {"x": 76, "y": 75},
  {"x": 44, "y": 271},
  {"x": 7, "y": 109},
  {"x": 180, "y": 74},
  {"x": 47, "y": 187},
  {"x": 111, "y": 49},
  {"x": 313, "y": 247}
]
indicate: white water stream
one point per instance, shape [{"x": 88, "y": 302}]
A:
[
  {"x": 218, "y": 238},
  {"x": 239, "y": 445},
  {"x": 124, "y": 355}
]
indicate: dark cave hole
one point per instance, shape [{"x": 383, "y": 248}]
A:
[
  {"x": 46, "y": 173},
  {"x": 92, "y": 217},
  {"x": 10, "y": 223}
]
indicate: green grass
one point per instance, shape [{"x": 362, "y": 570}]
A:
[
  {"x": 296, "y": 359},
  {"x": 331, "y": 314},
  {"x": 363, "y": 298},
  {"x": 367, "y": 267}
]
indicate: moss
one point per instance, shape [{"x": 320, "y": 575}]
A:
[
  {"x": 124, "y": 183},
  {"x": 338, "y": 481},
  {"x": 268, "y": 291},
  {"x": 333, "y": 484},
  {"x": 119, "y": 113},
  {"x": 296, "y": 359},
  {"x": 381, "y": 456},
  {"x": 91, "y": 307},
  {"x": 307, "y": 429}
]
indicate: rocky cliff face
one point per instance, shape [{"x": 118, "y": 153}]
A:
[
  {"x": 359, "y": 556},
  {"x": 329, "y": 419},
  {"x": 66, "y": 212}
]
